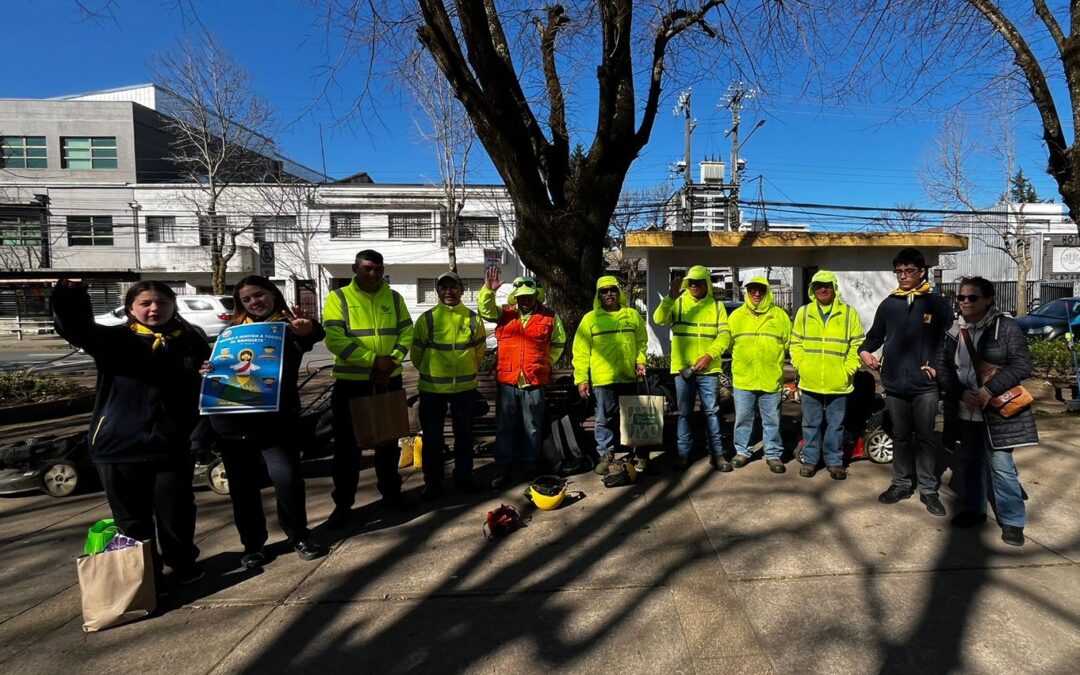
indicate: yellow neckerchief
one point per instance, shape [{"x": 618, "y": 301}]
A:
[
  {"x": 159, "y": 338},
  {"x": 276, "y": 316},
  {"x": 922, "y": 289}
]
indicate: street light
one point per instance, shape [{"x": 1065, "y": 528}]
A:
[{"x": 135, "y": 206}]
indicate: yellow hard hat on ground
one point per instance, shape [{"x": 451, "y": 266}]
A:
[{"x": 547, "y": 492}]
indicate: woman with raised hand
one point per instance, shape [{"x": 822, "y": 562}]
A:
[
  {"x": 270, "y": 438},
  {"x": 145, "y": 408}
]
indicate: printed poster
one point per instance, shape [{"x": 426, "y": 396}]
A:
[{"x": 246, "y": 370}]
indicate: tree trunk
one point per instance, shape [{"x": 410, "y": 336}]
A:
[{"x": 1023, "y": 268}]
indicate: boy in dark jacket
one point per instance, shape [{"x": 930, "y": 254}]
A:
[
  {"x": 909, "y": 324},
  {"x": 145, "y": 409}
]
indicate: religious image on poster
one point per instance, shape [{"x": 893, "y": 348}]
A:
[{"x": 245, "y": 370}]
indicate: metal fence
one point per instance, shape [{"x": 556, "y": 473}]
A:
[{"x": 1038, "y": 292}]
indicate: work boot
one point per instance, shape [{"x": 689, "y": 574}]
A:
[
  {"x": 720, "y": 464},
  {"x": 837, "y": 472},
  {"x": 776, "y": 465},
  {"x": 605, "y": 462},
  {"x": 739, "y": 461},
  {"x": 807, "y": 470},
  {"x": 682, "y": 462},
  {"x": 1012, "y": 535}
]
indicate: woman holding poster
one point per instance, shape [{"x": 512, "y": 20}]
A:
[{"x": 244, "y": 438}]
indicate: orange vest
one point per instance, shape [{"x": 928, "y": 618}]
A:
[{"x": 525, "y": 350}]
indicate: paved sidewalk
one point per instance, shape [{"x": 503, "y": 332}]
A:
[{"x": 698, "y": 572}]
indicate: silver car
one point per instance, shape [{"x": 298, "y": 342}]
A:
[{"x": 208, "y": 314}]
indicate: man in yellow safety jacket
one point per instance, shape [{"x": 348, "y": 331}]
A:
[
  {"x": 760, "y": 332},
  {"x": 448, "y": 347},
  {"x": 699, "y": 336},
  {"x": 825, "y": 342},
  {"x": 609, "y": 355},
  {"x": 369, "y": 332}
]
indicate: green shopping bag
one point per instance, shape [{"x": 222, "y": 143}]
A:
[{"x": 99, "y": 536}]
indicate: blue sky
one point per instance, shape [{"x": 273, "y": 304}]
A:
[{"x": 804, "y": 153}]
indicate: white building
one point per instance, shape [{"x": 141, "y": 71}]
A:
[{"x": 86, "y": 186}]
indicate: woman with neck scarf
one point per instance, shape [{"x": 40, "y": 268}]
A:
[
  {"x": 269, "y": 438},
  {"x": 982, "y": 341},
  {"x": 144, "y": 412}
]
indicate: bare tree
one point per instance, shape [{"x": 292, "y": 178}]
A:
[
  {"x": 221, "y": 136},
  {"x": 638, "y": 209},
  {"x": 929, "y": 50},
  {"x": 522, "y": 73},
  {"x": 902, "y": 218},
  {"x": 1003, "y": 228},
  {"x": 290, "y": 224}
]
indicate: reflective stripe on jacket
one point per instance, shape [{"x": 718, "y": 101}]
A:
[
  {"x": 698, "y": 327},
  {"x": 448, "y": 347},
  {"x": 759, "y": 339},
  {"x": 608, "y": 346},
  {"x": 826, "y": 354},
  {"x": 361, "y": 326}
]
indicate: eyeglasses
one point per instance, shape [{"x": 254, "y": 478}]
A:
[
  {"x": 968, "y": 298},
  {"x": 907, "y": 272},
  {"x": 695, "y": 282},
  {"x": 818, "y": 287},
  {"x": 526, "y": 282},
  {"x": 756, "y": 289},
  {"x": 607, "y": 291}
]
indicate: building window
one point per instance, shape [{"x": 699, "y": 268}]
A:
[
  {"x": 209, "y": 225},
  {"x": 23, "y": 152},
  {"x": 85, "y": 152},
  {"x": 90, "y": 230},
  {"x": 161, "y": 229},
  {"x": 274, "y": 228},
  {"x": 345, "y": 225},
  {"x": 410, "y": 226},
  {"x": 426, "y": 295},
  {"x": 19, "y": 231},
  {"x": 481, "y": 230}
]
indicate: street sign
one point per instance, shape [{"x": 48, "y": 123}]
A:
[
  {"x": 266, "y": 258},
  {"x": 493, "y": 257}
]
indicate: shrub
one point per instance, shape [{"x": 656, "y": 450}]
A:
[
  {"x": 18, "y": 388},
  {"x": 1051, "y": 359}
]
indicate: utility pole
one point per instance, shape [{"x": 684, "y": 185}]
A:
[
  {"x": 733, "y": 99},
  {"x": 683, "y": 107}
]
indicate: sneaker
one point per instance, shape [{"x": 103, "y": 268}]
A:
[
  {"x": 641, "y": 462},
  {"x": 968, "y": 519},
  {"x": 1012, "y": 535},
  {"x": 682, "y": 462},
  {"x": 467, "y": 485},
  {"x": 933, "y": 504},
  {"x": 807, "y": 471},
  {"x": 189, "y": 575},
  {"x": 605, "y": 462},
  {"x": 308, "y": 549},
  {"x": 739, "y": 461},
  {"x": 893, "y": 495},
  {"x": 776, "y": 465},
  {"x": 251, "y": 560},
  {"x": 837, "y": 472},
  {"x": 340, "y": 518},
  {"x": 399, "y": 503},
  {"x": 500, "y": 481},
  {"x": 720, "y": 464}
]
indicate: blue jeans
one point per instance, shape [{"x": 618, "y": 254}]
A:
[
  {"x": 707, "y": 387},
  {"x": 516, "y": 405},
  {"x": 747, "y": 405},
  {"x": 977, "y": 460},
  {"x": 432, "y": 418},
  {"x": 607, "y": 414},
  {"x": 828, "y": 409}
]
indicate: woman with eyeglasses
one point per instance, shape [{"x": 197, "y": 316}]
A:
[{"x": 985, "y": 355}]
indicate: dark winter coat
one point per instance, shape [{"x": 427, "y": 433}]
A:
[
  {"x": 1002, "y": 344},
  {"x": 147, "y": 400},
  {"x": 911, "y": 334},
  {"x": 281, "y": 424}
]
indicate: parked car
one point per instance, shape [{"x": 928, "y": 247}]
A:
[
  {"x": 1051, "y": 320},
  {"x": 208, "y": 314}
]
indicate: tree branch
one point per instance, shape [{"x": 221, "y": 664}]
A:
[{"x": 1051, "y": 24}]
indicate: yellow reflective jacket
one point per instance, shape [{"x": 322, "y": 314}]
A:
[
  {"x": 698, "y": 327},
  {"x": 826, "y": 352},
  {"x": 760, "y": 337},
  {"x": 361, "y": 326},
  {"x": 448, "y": 347},
  {"x": 609, "y": 345}
]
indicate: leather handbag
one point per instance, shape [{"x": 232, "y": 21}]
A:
[{"x": 1007, "y": 403}]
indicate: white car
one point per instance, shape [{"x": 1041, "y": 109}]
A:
[{"x": 208, "y": 314}]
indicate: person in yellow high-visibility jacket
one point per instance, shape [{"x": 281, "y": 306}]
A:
[
  {"x": 448, "y": 347},
  {"x": 699, "y": 336},
  {"x": 825, "y": 340},
  {"x": 760, "y": 332},
  {"x": 609, "y": 356},
  {"x": 369, "y": 332}
]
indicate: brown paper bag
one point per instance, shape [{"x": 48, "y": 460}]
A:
[
  {"x": 380, "y": 419},
  {"x": 117, "y": 587},
  {"x": 641, "y": 420}
]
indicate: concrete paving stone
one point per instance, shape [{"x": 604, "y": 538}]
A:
[
  {"x": 719, "y": 635},
  {"x": 196, "y": 640},
  {"x": 21, "y": 631},
  {"x": 626, "y": 630},
  {"x": 1051, "y": 476},
  {"x": 734, "y": 665},
  {"x": 22, "y": 515},
  {"x": 991, "y": 621}
]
